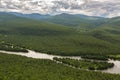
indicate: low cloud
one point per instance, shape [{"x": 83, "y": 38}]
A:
[{"x": 106, "y": 8}]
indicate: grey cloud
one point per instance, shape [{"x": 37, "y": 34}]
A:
[
  {"x": 88, "y": 7},
  {"x": 66, "y": 5},
  {"x": 108, "y": 8}
]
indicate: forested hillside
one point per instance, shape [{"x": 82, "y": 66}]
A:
[{"x": 60, "y": 39}]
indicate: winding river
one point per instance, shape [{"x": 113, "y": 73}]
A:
[{"x": 33, "y": 54}]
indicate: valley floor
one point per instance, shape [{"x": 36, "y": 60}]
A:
[
  {"x": 14, "y": 67},
  {"x": 36, "y": 55}
]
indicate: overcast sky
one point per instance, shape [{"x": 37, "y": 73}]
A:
[{"x": 106, "y": 8}]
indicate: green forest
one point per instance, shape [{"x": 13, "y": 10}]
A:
[
  {"x": 56, "y": 38},
  {"x": 88, "y": 37},
  {"x": 85, "y": 64},
  {"x": 13, "y": 67}
]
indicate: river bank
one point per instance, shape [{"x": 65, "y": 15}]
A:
[{"x": 37, "y": 55}]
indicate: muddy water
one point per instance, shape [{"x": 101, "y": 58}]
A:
[{"x": 33, "y": 54}]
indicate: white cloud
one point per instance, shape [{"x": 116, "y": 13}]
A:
[{"x": 107, "y": 8}]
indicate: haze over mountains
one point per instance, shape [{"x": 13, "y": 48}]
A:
[
  {"x": 74, "y": 20},
  {"x": 66, "y": 19},
  {"x": 62, "y": 34},
  {"x": 104, "y": 8},
  {"x": 61, "y": 39}
]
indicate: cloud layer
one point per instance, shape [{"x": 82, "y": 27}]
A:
[{"x": 106, "y": 8}]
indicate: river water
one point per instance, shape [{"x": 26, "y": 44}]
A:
[
  {"x": 33, "y": 54},
  {"x": 115, "y": 69}
]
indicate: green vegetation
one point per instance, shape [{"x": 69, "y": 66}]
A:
[
  {"x": 59, "y": 39},
  {"x": 96, "y": 57},
  {"x": 85, "y": 64},
  {"x": 76, "y": 20},
  {"x": 115, "y": 57},
  {"x": 13, "y": 67},
  {"x": 93, "y": 38},
  {"x": 11, "y": 47}
]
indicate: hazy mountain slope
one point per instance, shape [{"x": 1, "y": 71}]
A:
[
  {"x": 26, "y": 26},
  {"x": 109, "y": 31},
  {"x": 76, "y": 20},
  {"x": 53, "y": 38},
  {"x": 31, "y": 16}
]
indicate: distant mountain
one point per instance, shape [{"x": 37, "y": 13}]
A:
[
  {"x": 32, "y": 16},
  {"x": 14, "y": 24},
  {"x": 89, "y": 17},
  {"x": 115, "y": 21},
  {"x": 76, "y": 20},
  {"x": 85, "y": 36},
  {"x": 112, "y": 22},
  {"x": 4, "y": 15},
  {"x": 83, "y": 22}
]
